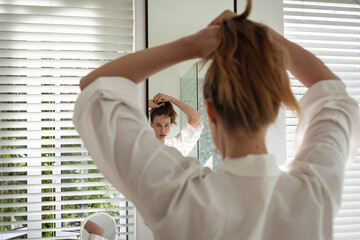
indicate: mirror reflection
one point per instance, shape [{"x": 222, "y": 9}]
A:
[
  {"x": 162, "y": 116},
  {"x": 181, "y": 81},
  {"x": 191, "y": 91},
  {"x": 98, "y": 226}
]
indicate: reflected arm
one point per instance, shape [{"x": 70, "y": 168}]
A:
[{"x": 192, "y": 113}]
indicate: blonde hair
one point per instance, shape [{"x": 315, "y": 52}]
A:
[
  {"x": 247, "y": 79},
  {"x": 167, "y": 110}
]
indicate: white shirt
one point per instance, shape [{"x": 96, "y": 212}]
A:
[
  {"x": 95, "y": 237},
  {"x": 186, "y": 139},
  {"x": 246, "y": 198}
]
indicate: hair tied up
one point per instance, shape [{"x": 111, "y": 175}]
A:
[
  {"x": 246, "y": 12},
  {"x": 247, "y": 80}
]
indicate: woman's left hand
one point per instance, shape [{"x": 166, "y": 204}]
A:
[
  {"x": 152, "y": 104},
  {"x": 160, "y": 97},
  {"x": 227, "y": 14}
]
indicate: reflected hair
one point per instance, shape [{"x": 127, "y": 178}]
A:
[
  {"x": 247, "y": 80},
  {"x": 167, "y": 110}
]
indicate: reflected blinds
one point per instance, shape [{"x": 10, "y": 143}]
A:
[
  {"x": 48, "y": 181},
  {"x": 331, "y": 30}
]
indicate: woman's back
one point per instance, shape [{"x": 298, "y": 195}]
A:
[
  {"x": 252, "y": 204},
  {"x": 251, "y": 198}
]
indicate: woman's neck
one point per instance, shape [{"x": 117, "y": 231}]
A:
[{"x": 239, "y": 144}]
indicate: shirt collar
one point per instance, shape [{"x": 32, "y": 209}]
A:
[{"x": 262, "y": 165}]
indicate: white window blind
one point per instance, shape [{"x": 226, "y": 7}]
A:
[
  {"x": 331, "y": 30},
  {"x": 48, "y": 181}
]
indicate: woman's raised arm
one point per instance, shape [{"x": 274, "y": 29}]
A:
[
  {"x": 140, "y": 65},
  {"x": 304, "y": 65}
]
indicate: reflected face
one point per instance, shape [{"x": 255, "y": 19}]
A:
[{"x": 161, "y": 126}]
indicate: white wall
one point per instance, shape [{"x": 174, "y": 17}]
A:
[{"x": 269, "y": 12}]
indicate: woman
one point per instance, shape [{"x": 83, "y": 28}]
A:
[
  {"x": 163, "y": 115},
  {"x": 248, "y": 197}
]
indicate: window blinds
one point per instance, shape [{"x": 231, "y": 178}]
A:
[
  {"x": 331, "y": 30},
  {"x": 48, "y": 181}
]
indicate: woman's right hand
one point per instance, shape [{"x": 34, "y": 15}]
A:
[
  {"x": 152, "y": 104},
  {"x": 227, "y": 14},
  {"x": 206, "y": 41}
]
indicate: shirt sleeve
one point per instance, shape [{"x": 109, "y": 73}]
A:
[
  {"x": 186, "y": 139},
  {"x": 327, "y": 136},
  {"x": 124, "y": 147}
]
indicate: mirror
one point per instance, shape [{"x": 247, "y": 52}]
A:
[
  {"x": 98, "y": 226},
  {"x": 168, "y": 21}
]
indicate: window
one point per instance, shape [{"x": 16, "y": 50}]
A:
[
  {"x": 331, "y": 30},
  {"x": 48, "y": 181}
]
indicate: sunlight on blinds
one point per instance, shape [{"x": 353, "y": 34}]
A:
[
  {"x": 330, "y": 29},
  {"x": 48, "y": 181}
]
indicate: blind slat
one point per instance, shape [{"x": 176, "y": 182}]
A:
[
  {"x": 31, "y": 63},
  {"x": 56, "y": 133},
  {"x": 68, "y": 54},
  {"x": 36, "y": 124},
  {"x": 30, "y": 81},
  {"x": 53, "y": 203},
  {"x": 64, "y": 29},
  {"x": 58, "y": 20},
  {"x": 45, "y": 71},
  {"x": 60, "y": 159},
  {"x": 38, "y": 97},
  {"x": 32, "y": 115},
  {"x": 75, "y": 4},
  {"x": 54, "y": 177},
  {"x": 63, "y": 220},
  {"x": 54, "y": 185},
  {"x": 36, "y": 106},
  {"x": 39, "y": 151},
  {"x": 67, "y": 11},
  {"x": 83, "y": 192},
  {"x": 66, "y": 46},
  {"x": 52, "y": 212},
  {"x": 47, "y": 168}
]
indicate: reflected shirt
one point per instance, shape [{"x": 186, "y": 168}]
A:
[
  {"x": 247, "y": 197},
  {"x": 186, "y": 139}
]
